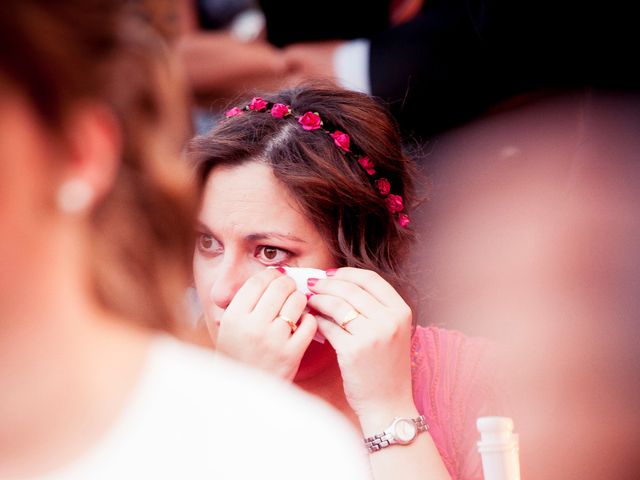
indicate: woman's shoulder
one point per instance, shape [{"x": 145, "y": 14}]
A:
[
  {"x": 455, "y": 381},
  {"x": 449, "y": 345},
  {"x": 432, "y": 331},
  {"x": 456, "y": 369}
]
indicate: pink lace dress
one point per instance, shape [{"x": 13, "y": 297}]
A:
[{"x": 454, "y": 382}]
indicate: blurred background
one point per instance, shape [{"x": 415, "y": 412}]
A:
[{"x": 436, "y": 64}]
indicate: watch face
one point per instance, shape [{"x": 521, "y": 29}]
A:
[{"x": 405, "y": 430}]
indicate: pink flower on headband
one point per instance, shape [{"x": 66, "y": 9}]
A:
[
  {"x": 394, "y": 203},
  {"x": 310, "y": 121},
  {"x": 258, "y": 104},
  {"x": 280, "y": 110},
  {"x": 367, "y": 164},
  {"x": 383, "y": 185},
  {"x": 341, "y": 139},
  {"x": 403, "y": 220},
  {"x": 233, "y": 112}
]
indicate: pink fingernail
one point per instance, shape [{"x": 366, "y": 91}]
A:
[
  {"x": 281, "y": 270},
  {"x": 331, "y": 272},
  {"x": 309, "y": 295},
  {"x": 312, "y": 281}
]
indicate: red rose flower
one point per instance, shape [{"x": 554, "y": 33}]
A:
[
  {"x": 367, "y": 164},
  {"x": 280, "y": 110},
  {"x": 233, "y": 112},
  {"x": 341, "y": 139},
  {"x": 310, "y": 121},
  {"x": 383, "y": 185},
  {"x": 394, "y": 203},
  {"x": 258, "y": 104},
  {"x": 403, "y": 220}
]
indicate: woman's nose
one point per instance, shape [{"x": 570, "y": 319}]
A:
[{"x": 231, "y": 276}]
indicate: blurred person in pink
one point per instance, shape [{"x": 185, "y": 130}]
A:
[
  {"x": 96, "y": 218},
  {"x": 316, "y": 177},
  {"x": 531, "y": 239}
]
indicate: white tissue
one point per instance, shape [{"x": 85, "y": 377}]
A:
[{"x": 300, "y": 275}]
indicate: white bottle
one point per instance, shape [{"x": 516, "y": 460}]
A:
[{"x": 498, "y": 447}]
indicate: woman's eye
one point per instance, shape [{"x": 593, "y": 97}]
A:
[
  {"x": 268, "y": 254},
  {"x": 207, "y": 243}
]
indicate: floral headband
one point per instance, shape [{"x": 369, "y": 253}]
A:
[{"x": 312, "y": 121}]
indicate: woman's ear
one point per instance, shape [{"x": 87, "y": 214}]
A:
[{"x": 94, "y": 143}]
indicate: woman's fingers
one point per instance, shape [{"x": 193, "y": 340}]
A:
[
  {"x": 248, "y": 295},
  {"x": 370, "y": 282},
  {"x": 291, "y": 311},
  {"x": 353, "y": 294},
  {"x": 336, "y": 336},
  {"x": 340, "y": 311},
  {"x": 274, "y": 298},
  {"x": 303, "y": 336}
]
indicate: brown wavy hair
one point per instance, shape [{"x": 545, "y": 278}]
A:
[
  {"x": 59, "y": 54},
  {"x": 331, "y": 189}
]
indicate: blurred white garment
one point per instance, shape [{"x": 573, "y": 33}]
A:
[
  {"x": 197, "y": 415},
  {"x": 351, "y": 65}
]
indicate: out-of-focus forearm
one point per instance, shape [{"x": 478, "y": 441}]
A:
[{"x": 219, "y": 65}]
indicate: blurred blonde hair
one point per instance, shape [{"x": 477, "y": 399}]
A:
[{"x": 142, "y": 230}]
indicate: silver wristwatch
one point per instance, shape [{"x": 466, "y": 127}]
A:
[{"x": 402, "y": 431}]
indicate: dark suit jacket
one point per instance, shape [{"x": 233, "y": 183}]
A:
[
  {"x": 460, "y": 59},
  {"x": 291, "y": 21}
]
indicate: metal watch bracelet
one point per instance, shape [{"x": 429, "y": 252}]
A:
[{"x": 385, "y": 439}]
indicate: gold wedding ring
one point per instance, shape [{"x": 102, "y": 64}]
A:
[
  {"x": 291, "y": 323},
  {"x": 352, "y": 315}
]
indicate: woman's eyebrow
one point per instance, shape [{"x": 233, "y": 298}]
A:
[
  {"x": 253, "y": 237},
  {"x": 203, "y": 227}
]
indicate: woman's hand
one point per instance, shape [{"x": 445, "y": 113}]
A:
[
  {"x": 254, "y": 328},
  {"x": 373, "y": 347}
]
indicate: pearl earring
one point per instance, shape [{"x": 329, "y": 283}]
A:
[{"x": 74, "y": 196}]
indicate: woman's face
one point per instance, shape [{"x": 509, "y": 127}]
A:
[{"x": 248, "y": 221}]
